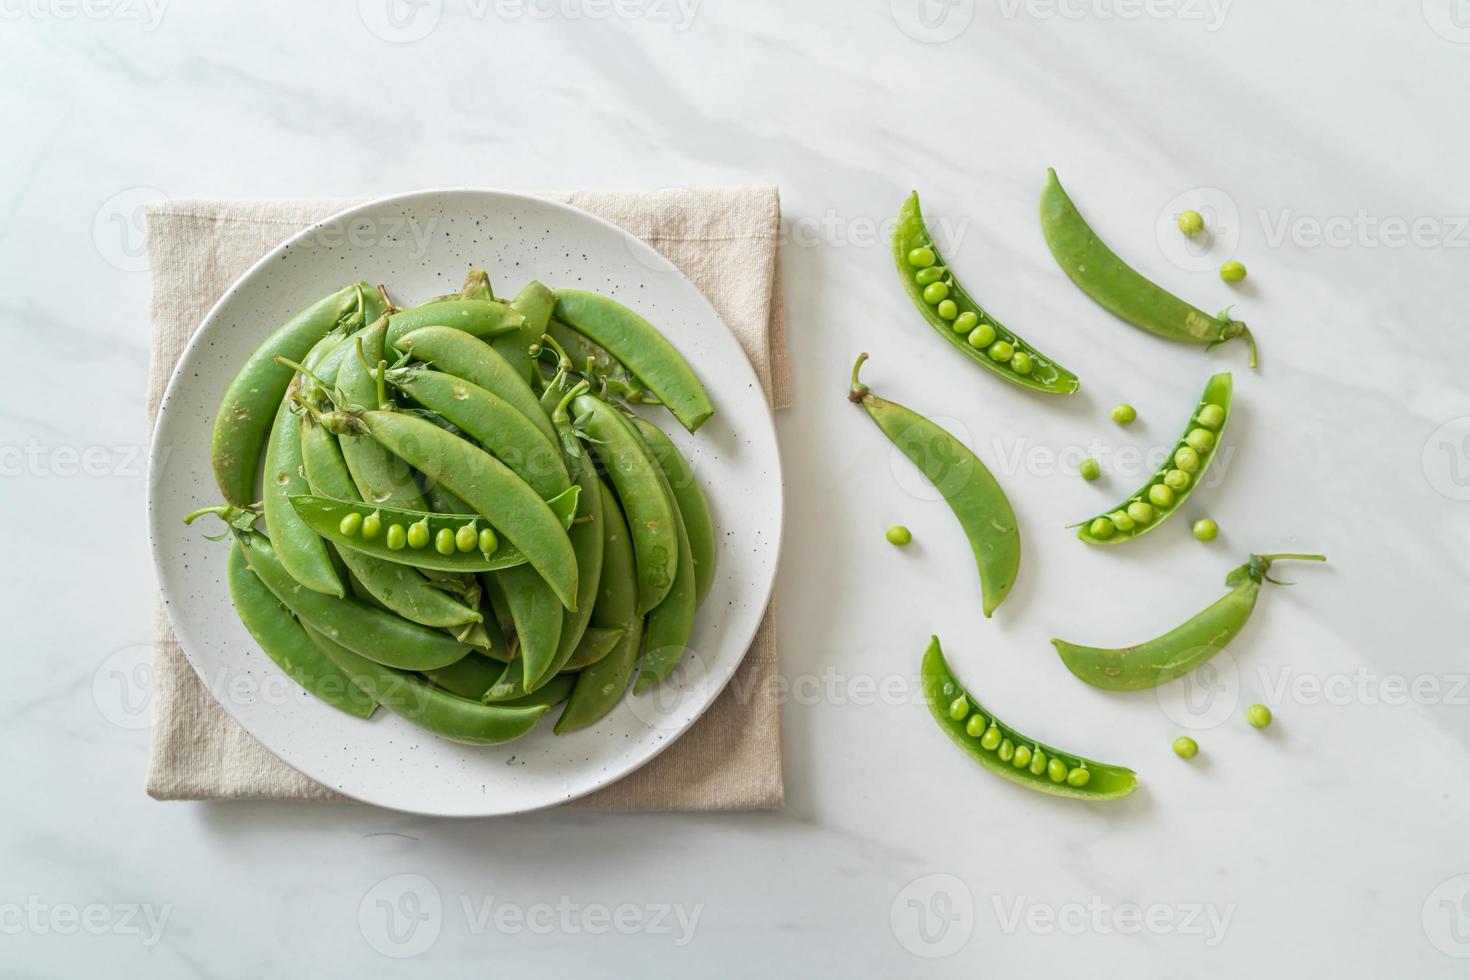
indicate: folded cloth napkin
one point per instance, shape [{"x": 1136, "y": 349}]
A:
[{"x": 725, "y": 240}]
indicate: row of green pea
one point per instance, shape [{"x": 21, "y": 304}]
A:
[
  {"x": 978, "y": 334},
  {"x": 1162, "y": 494},
  {"x": 1028, "y": 757},
  {"x": 416, "y": 535}
]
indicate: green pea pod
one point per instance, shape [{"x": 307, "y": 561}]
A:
[
  {"x": 397, "y": 586},
  {"x": 1041, "y": 767},
  {"x": 435, "y": 711},
  {"x": 249, "y": 406},
  {"x": 536, "y": 614},
  {"x": 597, "y": 642},
  {"x": 325, "y": 515},
  {"x": 300, "y": 549},
  {"x": 591, "y": 359},
  {"x": 381, "y": 477},
  {"x": 693, "y": 508},
  {"x": 550, "y": 694},
  {"x": 492, "y": 422},
  {"x": 388, "y": 639},
  {"x": 457, "y": 353},
  {"x": 483, "y": 482},
  {"x": 480, "y": 317},
  {"x": 476, "y": 286},
  {"x": 474, "y": 677},
  {"x": 1032, "y": 370},
  {"x": 670, "y": 623},
  {"x": 1182, "y": 649},
  {"x": 507, "y": 686},
  {"x": 971, "y": 491},
  {"x": 1166, "y": 490},
  {"x": 638, "y": 344},
  {"x": 285, "y": 642},
  {"x": 534, "y": 303},
  {"x": 1117, "y": 287},
  {"x": 640, "y": 488}
]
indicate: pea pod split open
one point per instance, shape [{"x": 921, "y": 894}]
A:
[
  {"x": 957, "y": 318},
  {"x": 1183, "y": 648},
  {"x": 1008, "y": 753},
  {"x": 1119, "y": 288},
  {"x": 971, "y": 491}
]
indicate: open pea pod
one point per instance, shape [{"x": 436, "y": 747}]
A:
[
  {"x": 368, "y": 529},
  {"x": 1166, "y": 491}
]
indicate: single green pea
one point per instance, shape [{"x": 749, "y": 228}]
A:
[
  {"x": 1001, "y": 351},
  {"x": 1101, "y": 528},
  {"x": 1191, "y": 223},
  {"x": 932, "y": 274},
  {"x": 1124, "y": 413},
  {"x": 981, "y": 336},
  {"x": 465, "y": 538},
  {"x": 966, "y": 322},
  {"x": 350, "y": 524},
  {"x": 1078, "y": 777},
  {"x": 1022, "y": 757},
  {"x": 488, "y": 541},
  {"x": 372, "y": 526},
  {"x": 1038, "y": 762},
  {"x": 990, "y": 741},
  {"x": 1258, "y": 715},
  {"x": 935, "y": 291},
  {"x": 1007, "y": 750},
  {"x": 1186, "y": 747},
  {"x": 959, "y": 708},
  {"x": 1141, "y": 512},
  {"x": 1022, "y": 363},
  {"x": 899, "y": 535},
  {"x": 922, "y": 257},
  {"x": 397, "y": 538},
  {"x": 975, "y": 727},
  {"x": 1056, "y": 771},
  {"x": 1206, "y": 529},
  {"x": 1090, "y": 469},
  {"x": 1186, "y": 459},
  {"x": 1233, "y": 271},
  {"x": 1177, "y": 480},
  {"x": 418, "y": 534},
  {"x": 1212, "y": 416},
  {"x": 1200, "y": 440},
  {"x": 444, "y": 541},
  {"x": 1160, "y": 495},
  {"x": 1121, "y": 521},
  {"x": 947, "y": 310}
]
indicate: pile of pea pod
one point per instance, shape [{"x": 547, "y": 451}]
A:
[{"x": 459, "y": 518}]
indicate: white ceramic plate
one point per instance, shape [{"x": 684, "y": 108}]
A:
[{"x": 420, "y": 245}]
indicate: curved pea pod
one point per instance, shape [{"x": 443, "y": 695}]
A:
[
  {"x": 484, "y": 318},
  {"x": 457, "y": 353},
  {"x": 1166, "y": 491},
  {"x": 1035, "y": 371},
  {"x": 435, "y": 711},
  {"x": 601, "y": 685},
  {"x": 249, "y": 406},
  {"x": 956, "y": 712},
  {"x": 693, "y": 508},
  {"x": 586, "y": 537},
  {"x": 638, "y": 344},
  {"x": 474, "y": 677},
  {"x": 381, "y": 477},
  {"x": 670, "y": 623},
  {"x": 972, "y": 493},
  {"x": 299, "y": 548},
  {"x": 534, "y": 303},
  {"x": 1182, "y": 649},
  {"x": 325, "y": 515},
  {"x": 597, "y": 642},
  {"x": 507, "y": 686},
  {"x": 1120, "y": 289},
  {"x": 591, "y": 359},
  {"x": 388, "y": 639},
  {"x": 284, "y": 641},
  {"x": 536, "y": 615}
]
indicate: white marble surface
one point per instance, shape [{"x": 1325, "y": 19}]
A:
[{"x": 1331, "y": 845}]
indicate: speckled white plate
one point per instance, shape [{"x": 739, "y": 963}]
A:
[{"x": 420, "y": 245}]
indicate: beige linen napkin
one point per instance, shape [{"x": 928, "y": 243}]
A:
[{"x": 725, "y": 240}]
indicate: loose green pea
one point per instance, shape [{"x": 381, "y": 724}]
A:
[
  {"x": 397, "y": 538},
  {"x": 959, "y": 708},
  {"x": 1160, "y": 495},
  {"x": 1038, "y": 763},
  {"x": 1258, "y": 715},
  {"x": 350, "y": 524},
  {"x": 1177, "y": 480},
  {"x": 1186, "y": 459},
  {"x": 1090, "y": 469},
  {"x": 1121, "y": 521},
  {"x": 935, "y": 291},
  {"x": 1191, "y": 223},
  {"x": 1212, "y": 416},
  {"x": 1022, "y": 363},
  {"x": 981, "y": 336},
  {"x": 1186, "y": 747},
  {"x": 899, "y": 535},
  {"x": 1022, "y": 757},
  {"x": 965, "y": 322},
  {"x": 1141, "y": 512},
  {"x": 1206, "y": 529},
  {"x": 465, "y": 538},
  {"x": 1078, "y": 777},
  {"x": 488, "y": 541},
  {"x": 922, "y": 257},
  {"x": 1101, "y": 528},
  {"x": 418, "y": 534},
  {"x": 444, "y": 541},
  {"x": 932, "y": 274},
  {"x": 1233, "y": 271},
  {"x": 991, "y": 739},
  {"x": 1124, "y": 413},
  {"x": 975, "y": 727},
  {"x": 947, "y": 310},
  {"x": 372, "y": 526},
  {"x": 1056, "y": 771},
  {"x": 1201, "y": 440},
  {"x": 1007, "y": 750},
  {"x": 1001, "y": 351}
]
